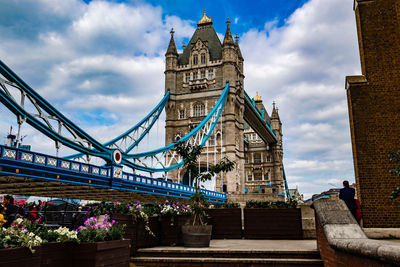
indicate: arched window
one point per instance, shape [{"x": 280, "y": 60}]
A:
[
  {"x": 199, "y": 110},
  {"x": 195, "y": 59},
  {"x": 203, "y": 58}
]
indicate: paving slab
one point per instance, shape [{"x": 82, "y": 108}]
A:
[{"x": 246, "y": 245}]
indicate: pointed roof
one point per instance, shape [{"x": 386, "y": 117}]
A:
[
  {"x": 172, "y": 47},
  {"x": 237, "y": 46},
  {"x": 206, "y": 33},
  {"x": 274, "y": 114},
  {"x": 228, "y": 39}
]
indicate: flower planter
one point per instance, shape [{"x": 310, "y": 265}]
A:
[
  {"x": 57, "y": 254},
  {"x": 196, "y": 236},
  {"x": 226, "y": 223},
  {"x": 21, "y": 257},
  {"x": 130, "y": 228},
  {"x": 282, "y": 223},
  {"x": 109, "y": 253},
  {"x": 143, "y": 237},
  {"x": 171, "y": 233}
]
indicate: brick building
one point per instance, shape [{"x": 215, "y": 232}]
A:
[
  {"x": 374, "y": 110},
  {"x": 196, "y": 78}
]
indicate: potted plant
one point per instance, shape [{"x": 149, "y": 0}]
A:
[
  {"x": 173, "y": 216},
  {"x": 272, "y": 220},
  {"x": 198, "y": 233},
  {"x": 19, "y": 246},
  {"x": 226, "y": 219},
  {"x": 101, "y": 244}
]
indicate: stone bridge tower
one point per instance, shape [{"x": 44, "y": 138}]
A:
[{"x": 196, "y": 79}]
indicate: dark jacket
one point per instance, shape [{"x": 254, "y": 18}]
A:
[{"x": 347, "y": 194}]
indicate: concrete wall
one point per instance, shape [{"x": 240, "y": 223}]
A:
[{"x": 342, "y": 242}]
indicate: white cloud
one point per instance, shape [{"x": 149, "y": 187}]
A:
[
  {"x": 302, "y": 66},
  {"x": 102, "y": 65}
]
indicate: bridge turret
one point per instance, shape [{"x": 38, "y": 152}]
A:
[
  {"x": 277, "y": 149},
  {"x": 171, "y": 62},
  {"x": 239, "y": 53}
]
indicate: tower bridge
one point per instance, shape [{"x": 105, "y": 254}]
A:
[{"x": 205, "y": 104}]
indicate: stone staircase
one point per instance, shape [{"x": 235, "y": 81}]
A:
[{"x": 174, "y": 256}]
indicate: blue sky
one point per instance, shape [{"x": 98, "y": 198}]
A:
[{"x": 101, "y": 63}]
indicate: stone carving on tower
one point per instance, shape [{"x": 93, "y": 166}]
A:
[{"x": 196, "y": 78}]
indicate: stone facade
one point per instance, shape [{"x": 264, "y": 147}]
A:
[
  {"x": 263, "y": 162},
  {"x": 374, "y": 102},
  {"x": 196, "y": 79}
]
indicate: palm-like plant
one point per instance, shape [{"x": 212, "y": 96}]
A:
[{"x": 190, "y": 154}]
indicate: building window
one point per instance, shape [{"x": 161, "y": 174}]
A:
[
  {"x": 249, "y": 177},
  {"x": 257, "y": 158},
  {"x": 247, "y": 159},
  {"x": 211, "y": 140},
  {"x": 268, "y": 159},
  {"x": 199, "y": 110},
  {"x": 195, "y": 59},
  {"x": 257, "y": 176},
  {"x": 194, "y": 75},
  {"x": 203, "y": 74},
  {"x": 210, "y": 74},
  {"x": 203, "y": 58},
  {"x": 187, "y": 78},
  {"x": 181, "y": 114}
]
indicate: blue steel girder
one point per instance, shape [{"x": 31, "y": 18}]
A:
[
  {"x": 132, "y": 137},
  {"x": 21, "y": 170},
  {"x": 80, "y": 140},
  {"x": 258, "y": 121}
]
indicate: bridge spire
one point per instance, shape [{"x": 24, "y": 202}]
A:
[
  {"x": 228, "y": 36},
  {"x": 275, "y": 114},
  {"x": 172, "y": 47}
]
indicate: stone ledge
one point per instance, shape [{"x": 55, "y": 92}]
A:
[
  {"x": 382, "y": 233},
  {"x": 349, "y": 237}
]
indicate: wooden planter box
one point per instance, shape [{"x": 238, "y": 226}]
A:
[
  {"x": 135, "y": 230},
  {"x": 130, "y": 229},
  {"x": 57, "y": 254},
  {"x": 144, "y": 238},
  {"x": 226, "y": 223},
  {"x": 171, "y": 233},
  {"x": 109, "y": 253},
  {"x": 21, "y": 257},
  {"x": 272, "y": 224}
]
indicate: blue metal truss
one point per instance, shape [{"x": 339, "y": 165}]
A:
[{"x": 22, "y": 163}]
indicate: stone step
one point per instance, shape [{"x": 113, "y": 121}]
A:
[
  {"x": 213, "y": 253},
  {"x": 212, "y": 262}
]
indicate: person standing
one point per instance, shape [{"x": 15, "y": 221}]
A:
[
  {"x": 347, "y": 194},
  {"x": 11, "y": 210}
]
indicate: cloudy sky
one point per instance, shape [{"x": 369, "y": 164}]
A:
[{"x": 101, "y": 63}]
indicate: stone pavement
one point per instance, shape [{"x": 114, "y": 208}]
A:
[{"x": 247, "y": 245}]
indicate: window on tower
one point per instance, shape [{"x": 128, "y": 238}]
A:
[
  {"x": 187, "y": 77},
  {"x": 203, "y": 58},
  {"x": 249, "y": 177},
  {"x": 194, "y": 75},
  {"x": 257, "y": 176},
  {"x": 203, "y": 74},
  {"x": 210, "y": 74},
  {"x": 211, "y": 140},
  {"x": 257, "y": 158},
  {"x": 181, "y": 114},
  {"x": 195, "y": 60},
  {"x": 199, "y": 110}
]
